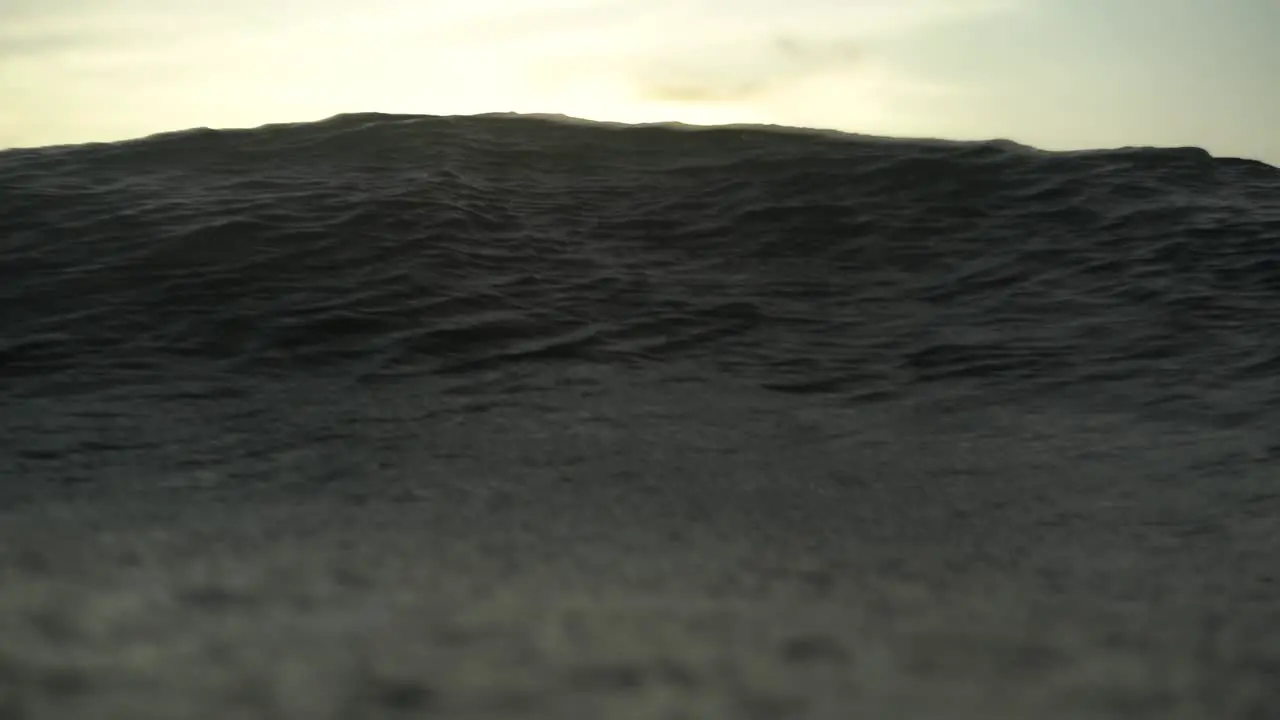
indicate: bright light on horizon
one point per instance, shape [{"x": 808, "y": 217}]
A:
[{"x": 1037, "y": 71}]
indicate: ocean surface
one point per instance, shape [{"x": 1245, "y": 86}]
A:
[
  {"x": 472, "y": 261},
  {"x": 943, "y": 344}
]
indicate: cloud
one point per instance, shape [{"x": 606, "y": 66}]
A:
[
  {"x": 250, "y": 60},
  {"x": 782, "y": 60},
  {"x": 731, "y": 51}
]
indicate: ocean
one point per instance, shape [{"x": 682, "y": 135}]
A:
[{"x": 525, "y": 416}]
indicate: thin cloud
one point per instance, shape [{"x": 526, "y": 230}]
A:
[
  {"x": 715, "y": 51},
  {"x": 782, "y": 61},
  {"x": 264, "y": 60}
]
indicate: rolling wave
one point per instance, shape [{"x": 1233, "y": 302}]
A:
[{"x": 811, "y": 262}]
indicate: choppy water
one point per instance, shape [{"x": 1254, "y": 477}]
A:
[
  {"x": 469, "y": 262},
  {"x": 535, "y": 411}
]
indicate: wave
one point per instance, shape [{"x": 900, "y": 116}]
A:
[{"x": 390, "y": 245}]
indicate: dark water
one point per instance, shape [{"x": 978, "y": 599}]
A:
[
  {"x": 515, "y": 403},
  {"x": 471, "y": 261}
]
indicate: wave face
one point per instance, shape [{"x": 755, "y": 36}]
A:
[
  {"x": 511, "y": 416},
  {"x": 375, "y": 246}
]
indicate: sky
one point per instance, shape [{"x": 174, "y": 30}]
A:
[{"x": 1056, "y": 74}]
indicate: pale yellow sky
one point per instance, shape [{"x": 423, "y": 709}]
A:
[{"x": 1054, "y": 73}]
